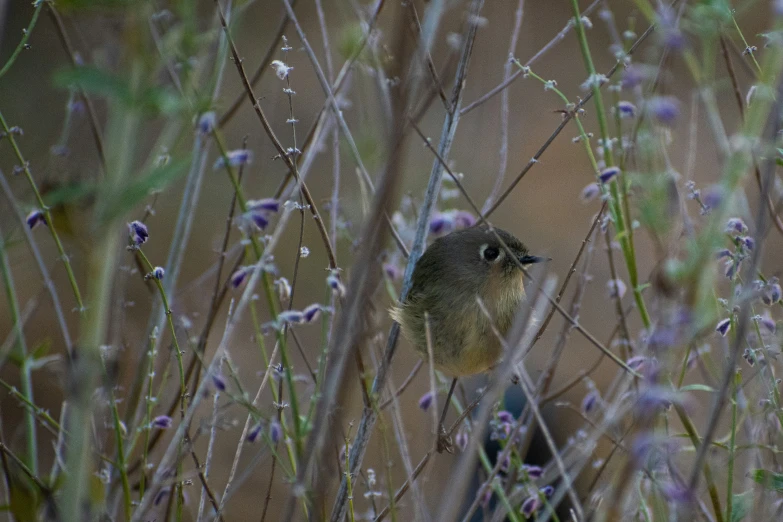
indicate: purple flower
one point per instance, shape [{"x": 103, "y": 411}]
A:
[
  {"x": 138, "y": 232},
  {"x": 275, "y": 431},
  {"x": 713, "y": 196},
  {"x": 616, "y": 288},
  {"x": 547, "y": 491},
  {"x": 589, "y": 401},
  {"x": 290, "y": 317},
  {"x": 238, "y": 277},
  {"x": 311, "y": 313},
  {"x": 334, "y": 283},
  {"x": 633, "y": 75},
  {"x": 426, "y": 401},
  {"x": 464, "y": 219},
  {"x": 530, "y": 506},
  {"x": 531, "y": 471},
  {"x": 441, "y": 224},
  {"x": 158, "y": 272},
  {"x": 736, "y": 226},
  {"x": 665, "y": 109},
  {"x": 626, "y": 109},
  {"x": 590, "y": 192},
  {"x": 234, "y": 158},
  {"x": 392, "y": 271},
  {"x": 637, "y": 362},
  {"x": 677, "y": 493},
  {"x": 724, "y": 252},
  {"x": 748, "y": 242},
  {"x": 219, "y": 382},
  {"x": 35, "y": 218},
  {"x": 462, "y": 439},
  {"x": 206, "y": 122},
  {"x": 608, "y": 174},
  {"x": 723, "y": 326},
  {"x": 768, "y": 323},
  {"x": 162, "y": 422},
  {"x": 254, "y": 432},
  {"x": 772, "y": 293},
  {"x": 505, "y": 416},
  {"x": 671, "y": 36},
  {"x": 266, "y": 204},
  {"x": 162, "y": 494}
]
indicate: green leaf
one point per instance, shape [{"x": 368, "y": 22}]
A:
[
  {"x": 95, "y": 81},
  {"x": 138, "y": 190},
  {"x": 698, "y": 387},
  {"x": 741, "y": 505},
  {"x": 108, "y": 85},
  {"x": 769, "y": 479}
]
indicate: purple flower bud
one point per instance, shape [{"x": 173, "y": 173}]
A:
[
  {"x": 461, "y": 439},
  {"x": 311, "y": 313},
  {"x": 616, "y": 288},
  {"x": 732, "y": 266},
  {"x": 590, "y": 192},
  {"x": 530, "y": 506},
  {"x": 773, "y": 293},
  {"x": 162, "y": 494},
  {"x": 532, "y": 472},
  {"x": 626, "y": 109},
  {"x": 138, "y": 232},
  {"x": 219, "y": 382},
  {"x": 206, "y": 122},
  {"x": 290, "y": 316},
  {"x": 723, "y": 327},
  {"x": 235, "y": 158},
  {"x": 665, "y": 109},
  {"x": 768, "y": 323},
  {"x": 259, "y": 219},
  {"x": 464, "y": 219},
  {"x": 713, "y": 196},
  {"x": 238, "y": 277},
  {"x": 158, "y": 272},
  {"x": 35, "y": 218},
  {"x": 254, "y": 432},
  {"x": 266, "y": 204},
  {"x": 589, "y": 401},
  {"x": 636, "y": 362},
  {"x": 725, "y": 252},
  {"x": 441, "y": 224},
  {"x": 426, "y": 401},
  {"x": 736, "y": 226},
  {"x": 505, "y": 416},
  {"x": 748, "y": 242},
  {"x": 334, "y": 283},
  {"x": 162, "y": 422},
  {"x": 677, "y": 493},
  {"x": 633, "y": 75},
  {"x": 275, "y": 431},
  {"x": 608, "y": 174},
  {"x": 392, "y": 271}
]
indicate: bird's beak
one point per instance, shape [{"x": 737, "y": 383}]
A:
[{"x": 529, "y": 260}]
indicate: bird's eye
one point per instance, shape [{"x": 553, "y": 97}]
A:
[{"x": 491, "y": 253}]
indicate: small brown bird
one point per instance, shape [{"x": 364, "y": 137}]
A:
[{"x": 448, "y": 277}]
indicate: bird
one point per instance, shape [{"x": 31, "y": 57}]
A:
[{"x": 447, "y": 279}]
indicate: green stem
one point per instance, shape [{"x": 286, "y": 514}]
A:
[
  {"x": 182, "y": 387},
  {"x": 732, "y": 447},
  {"x": 47, "y": 213},
  {"x": 25, "y": 37},
  {"x": 25, "y": 377}
]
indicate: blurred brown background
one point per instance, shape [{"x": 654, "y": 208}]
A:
[{"x": 545, "y": 210}]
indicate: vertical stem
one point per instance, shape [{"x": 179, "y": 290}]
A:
[{"x": 25, "y": 377}]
